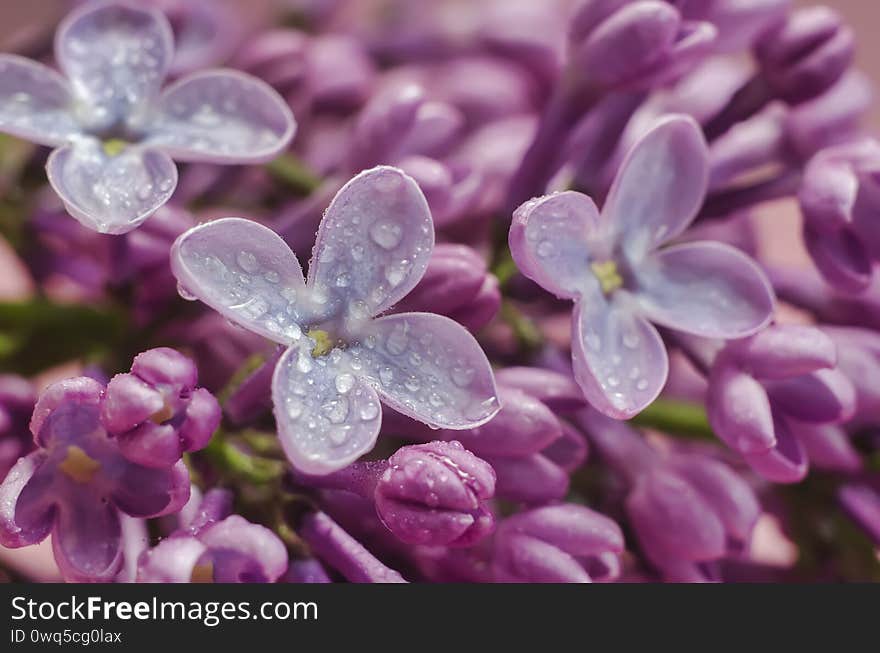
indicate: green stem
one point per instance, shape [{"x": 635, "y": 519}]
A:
[
  {"x": 292, "y": 172},
  {"x": 677, "y": 418},
  {"x": 239, "y": 464},
  {"x": 526, "y": 331}
]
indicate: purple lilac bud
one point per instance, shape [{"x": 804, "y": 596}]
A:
[
  {"x": 861, "y": 500},
  {"x": 761, "y": 387},
  {"x": 738, "y": 23},
  {"x": 457, "y": 284},
  {"x": 436, "y": 494},
  {"x": 839, "y": 199},
  {"x": 806, "y": 54},
  {"x": 76, "y": 483},
  {"x": 557, "y": 544},
  {"x": 17, "y": 399},
  {"x": 306, "y": 570},
  {"x": 156, "y": 412},
  {"x": 343, "y": 553},
  {"x": 216, "y": 549}
]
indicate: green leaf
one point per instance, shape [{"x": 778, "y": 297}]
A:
[{"x": 38, "y": 334}]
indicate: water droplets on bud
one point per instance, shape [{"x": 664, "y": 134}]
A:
[
  {"x": 247, "y": 262},
  {"x": 304, "y": 362},
  {"x": 343, "y": 280},
  {"x": 294, "y": 408},
  {"x": 369, "y": 411},
  {"x": 386, "y": 235}
]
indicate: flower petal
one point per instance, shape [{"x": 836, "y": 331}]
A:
[
  {"x": 550, "y": 241},
  {"x": 708, "y": 289},
  {"x": 786, "y": 462},
  {"x": 659, "y": 187},
  {"x": 619, "y": 359},
  {"x": 374, "y": 242},
  {"x": 170, "y": 561},
  {"x": 110, "y": 194},
  {"x": 247, "y": 273},
  {"x": 430, "y": 368},
  {"x": 261, "y": 556},
  {"x": 222, "y": 116},
  {"x": 30, "y": 523},
  {"x": 146, "y": 492},
  {"x": 116, "y": 56},
  {"x": 87, "y": 540},
  {"x": 327, "y": 417},
  {"x": 35, "y": 102}
]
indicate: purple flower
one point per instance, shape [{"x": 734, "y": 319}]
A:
[
  {"x": 78, "y": 481},
  {"x": 156, "y": 413},
  {"x": 764, "y": 388},
  {"x": 372, "y": 248},
  {"x": 687, "y": 510},
  {"x": 610, "y": 265},
  {"x": 456, "y": 284},
  {"x": 216, "y": 547},
  {"x": 557, "y": 544},
  {"x": 839, "y": 198},
  {"x": 17, "y": 398},
  {"x": 435, "y": 494},
  {"x": 115, "y": 133}
]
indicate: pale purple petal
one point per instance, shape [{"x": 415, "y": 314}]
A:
[
  {"x": 261, "y": 555},
  {"x": 551, "y": 238},
  {"x": 786, "y": 462},
  {"x": 375, "y": 240},
  {"x": 222, "y": 116},
  {"x": 327, "y": 416},
  {"x": 110, "y": 194},
  {"x": 116, "y": 56},
  {"x": 35, "y": 102},
  {"x": 87, "y": 540},
  {"x": 430, "y": 368},
  {"x": 708, "y": 289},
  {"x": 33, "y": 523},
  {"x": 247, "y": 273},
  {"x": 659, "y": 187},
  {"x": 170, "y": 561},
  {"x": 619, "y": 359}
]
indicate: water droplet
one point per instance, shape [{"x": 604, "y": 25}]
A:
[
  {"x": 272, "y": 277},
  {"x": 357, "y": 252},
  {"x": 369, "y": 411},
  {"x": 343, "y": 280},
  {"x": 397, "y": 340},
  {"x": 462, "y": 376},
  {"x": 338, "y": 436},
  {"x": 613, "y": 381},
  {"x": 294, "y": 408},
  {"x": 185, "y": 293},
  {"x": 344, "y": 383},
  {"x": 247, "y": 262},
  {"x": 412, "y": 384},
  {"x": 386, "y": 374},
  {"x": 304, "y": 363},
  {"x": 386, "y": 235},
  {"x": 546, "y": 249},
  {"x": 642, "y": 385},
  {"x": 336, "y": 410},
  {"x": 630, "y": 340}
]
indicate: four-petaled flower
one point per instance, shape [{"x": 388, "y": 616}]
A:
[
  {"x": 114, "y": 132},
  {"x": 372, "y": 248},
  {"x": 621, "y": 283},
  {"x": 77, "y": 482}
]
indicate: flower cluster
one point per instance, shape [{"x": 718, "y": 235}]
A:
[{"x": 504, "y": 302}]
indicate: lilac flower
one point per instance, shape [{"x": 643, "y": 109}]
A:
[
  {"x": 839, "y": 199},
  {"x": 432, "y": 494},
  {"x": 860, "y": 498},
  {"x": 687, "y": 510},
  {"x": 156, "y": 413},
  {"x": 78, "y": 481},
  {"x": 217, "y": 547},
  {"x": 557, "y": 544},
  {"x": 620, "y": 282},
  {"x": 17, "y": 398},
  {"x": 767, "y": 390},
  {"x": 458, "y": 285},
  {"x": 372, "y": 248},
  {"x": 114, "y": 132}
]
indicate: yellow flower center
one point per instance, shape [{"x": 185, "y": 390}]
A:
[
  {"x": 163, "y": 414},
  {"x": 114, "y": 146},
  {"x": 203, "y": 573},
  {"x": 324, "y": 344},
  {"x": 608, "y": 276},
  {"x": 79, "y": 465}
]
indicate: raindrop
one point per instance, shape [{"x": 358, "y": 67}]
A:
[
  {"x": 336, "y": 411},
  {"x": 386, "y": 235},
  {"x": 546, "y": 249},
  {"x": 369, "y": 411},
  {"x": 247, "y": 262},
  {"x": 344, "y": 383}
]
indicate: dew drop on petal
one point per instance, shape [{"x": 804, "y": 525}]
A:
[
  {"x": 462, "y": 376},
  {"x": 386, "y": 374},
  {"x": 344, "y": 383},
  {"x": 386, "y": 235},
  {"x": 247, "y": 262},
  {"x": 294, "y": 408},
  {"x": 185, "y": 293},
  {"x": 546, "y": 249},
  {"x": 336, "y": 410},
  {"x": 369, "y": 411}
]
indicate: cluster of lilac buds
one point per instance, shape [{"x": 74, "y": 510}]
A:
[{"x": 496, "y": 291}]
